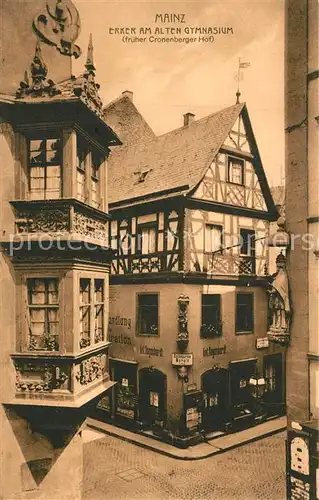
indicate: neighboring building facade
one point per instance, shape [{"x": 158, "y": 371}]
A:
[
  {"x": 188, "y": 302},
  {"x": 55, "y": 259},
  {"x": 302, "y": 206},
  {"x": 302, "y": 226}
]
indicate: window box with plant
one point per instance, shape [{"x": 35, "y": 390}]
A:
[
  {"x": 211, "y": 325},
  {"x": 244, "y": 313},
  {"x": 147, "y": 314},
  {"x": 208, "y": 331}
]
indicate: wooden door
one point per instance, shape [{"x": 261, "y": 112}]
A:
[
  {"x": 215, "y": 398},
  {"x": 152, "y": 396},
  {"x": 273, "y": 374}
]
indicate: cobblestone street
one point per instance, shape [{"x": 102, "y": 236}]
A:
[{"x": 115, "y": 469}]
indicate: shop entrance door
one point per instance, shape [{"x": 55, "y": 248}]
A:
[
  {"x": 125, "y": 391},
  {"x": 215, "y": 396},
  {"x": 152, "y": 396},
  {"x": 241, "y": 398},
  {"x": 273, "y": 374}
]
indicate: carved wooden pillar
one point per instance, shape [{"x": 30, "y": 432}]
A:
[{"x": 69, "y": 164}]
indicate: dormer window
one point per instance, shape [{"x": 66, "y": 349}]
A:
[
  {"x": 142, "y": 174},
  {"x": 235, "y": 170},
  {"x": 45, "y": 172}
]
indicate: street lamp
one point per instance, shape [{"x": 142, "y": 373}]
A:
[{"x": 257, "y": 385}]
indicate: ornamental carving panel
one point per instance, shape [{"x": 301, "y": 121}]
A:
[
  {"x": 91, "y": 369},
  {"x": 86, "y": 226},
  {"x": 38, "y": 378},
  {"x": 59, "y": 25},
  {"x": 43, "y": 221}
]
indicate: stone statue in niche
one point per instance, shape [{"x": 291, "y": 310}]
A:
[
  {"x": 59, "y": 26},
  {"x": 279, "y": 304},
  {"x": 182, "y": 337}
]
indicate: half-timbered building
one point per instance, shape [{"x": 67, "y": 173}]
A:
[{"x": 188, "y": 303}]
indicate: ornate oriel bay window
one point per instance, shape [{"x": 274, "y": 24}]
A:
[
  {"x": 61, "y": 163},
  {"x": 59, "y": 254},
  {"x": 61, "y": 330}
]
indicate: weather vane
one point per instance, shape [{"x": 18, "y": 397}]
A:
[{"x": 241, "y": 65}]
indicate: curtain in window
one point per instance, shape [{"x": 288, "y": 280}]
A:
[
  {"x": 236, "y": 173},
  {"x": 236, "y": 170},
  {"x": 213, "y": 237},
  {"x": 148, "y": 240}
]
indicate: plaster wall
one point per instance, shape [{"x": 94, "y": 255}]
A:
[
  {"x": 18, "y": 43},
  {"x": 128, "y": 345}
]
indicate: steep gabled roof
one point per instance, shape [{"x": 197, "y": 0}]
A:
[
  {"x": 127, "y": 122},
  {"x": 177, "y": 159}
]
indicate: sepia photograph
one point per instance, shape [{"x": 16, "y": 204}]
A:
[{"x": 159, "y": 250}]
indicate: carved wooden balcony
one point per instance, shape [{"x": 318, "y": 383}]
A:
[
  {"x": 227, "y": 264},
  {"x": 60, "y": 219},
  {"x": 149, "y": 263},
  {"x": 52, "y": 379}
]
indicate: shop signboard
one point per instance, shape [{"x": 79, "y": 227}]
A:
[
  {"x": 192, "y": 418},
  {"x": 262, "y": 343},
  {"x": 302, "y": 460},
  {"x": 185, "y": 359},
  {"x": 192, "y": 405},
  {"x": 191, "y": 387},
  {"x": 126, "y": 412}
]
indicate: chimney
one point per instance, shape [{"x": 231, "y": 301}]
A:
[
  {"x": 128, "y": 93},
  {"x": 188, "y": 119}
]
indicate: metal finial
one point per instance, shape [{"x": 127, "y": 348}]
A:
[{"x": 89, "y": 60}]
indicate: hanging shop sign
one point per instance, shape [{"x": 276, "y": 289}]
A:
[
  {"x": 214, "y": 351},
  {"x": 151, "y": 351},
  {"x": 182, "y": 359},
  {"x": 262, "y": 343},
  {"x": 191, "y": 387}
]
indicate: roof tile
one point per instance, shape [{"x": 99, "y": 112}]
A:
[{"x": 175, "y": 159}]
